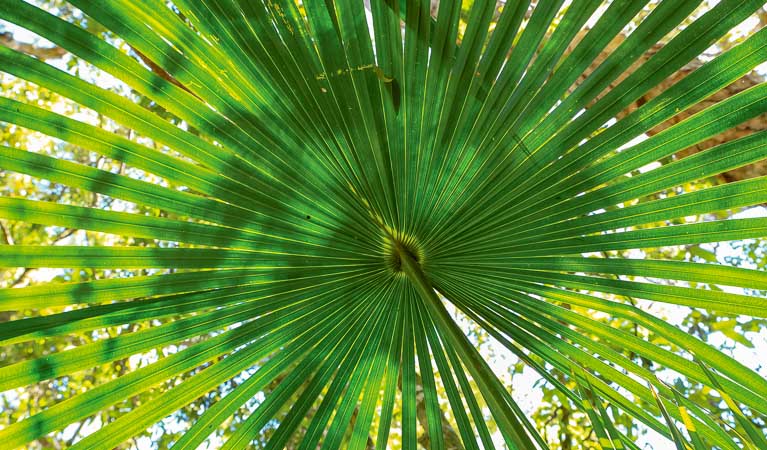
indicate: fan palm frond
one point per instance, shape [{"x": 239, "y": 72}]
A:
[{"x": 358, "y": 172}]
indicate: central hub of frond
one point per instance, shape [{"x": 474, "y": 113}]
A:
[{"x": 396, "y": 249}]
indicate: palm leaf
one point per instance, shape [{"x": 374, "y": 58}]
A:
[{"x": 358, "y": 171}]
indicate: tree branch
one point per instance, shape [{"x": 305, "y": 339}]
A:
[
  {"x": 7, "y": 237},
  {"x": 43, "y": 53},
  {"x": 162, "y": 73},
  {"x": 747, "y": 81}
]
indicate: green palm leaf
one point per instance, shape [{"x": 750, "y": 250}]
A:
[{"x": 357, "y": 171}]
